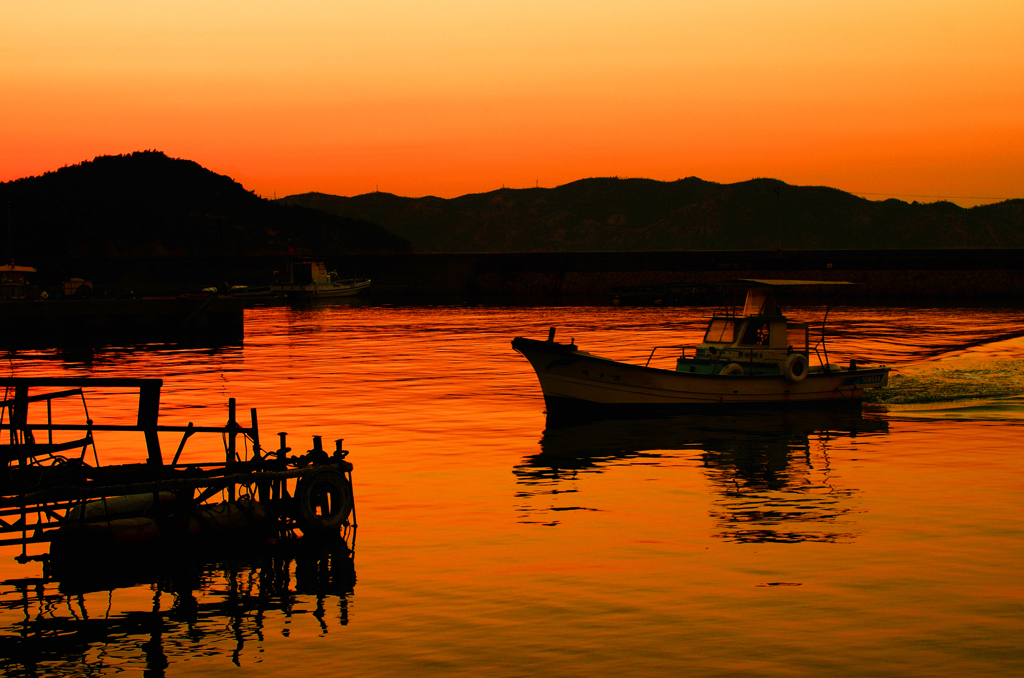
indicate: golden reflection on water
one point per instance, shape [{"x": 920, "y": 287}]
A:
[
  {"x": 770, "y": 471},
  {"x": 493, "y": 541}
]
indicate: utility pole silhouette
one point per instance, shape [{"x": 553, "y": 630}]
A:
[{"x": 778, "y": 192}]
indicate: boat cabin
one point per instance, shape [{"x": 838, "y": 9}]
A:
[
  {"x": 13, "y": 281},
  {"x": 309, "y": 272},
  {"x": 759, "y": 340}
]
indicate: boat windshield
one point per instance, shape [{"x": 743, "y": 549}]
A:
[
  {"x": 798, "y": 336},
  {"x": 757, "y": 333},
  {"x": 302, "y": 274},
  {"x": 721, "y": 330}
]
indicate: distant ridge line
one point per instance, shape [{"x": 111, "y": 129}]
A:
[
  {"x": 916, "y": 195},
  {"x": 635, "y": 215}
]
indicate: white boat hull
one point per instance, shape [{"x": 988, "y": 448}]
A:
[
  {"x": 321, "y": 290},
  {"x": 570, "y": 378}
]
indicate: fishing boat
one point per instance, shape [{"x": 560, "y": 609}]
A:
[
  {"x": 312, "y": 280},
  {"x": 753, "y": 357}
]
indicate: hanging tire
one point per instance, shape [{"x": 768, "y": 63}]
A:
[
  {"x": 795, "y": 368},
  {"x": 732, "y": 369},
  {"x": 323, "y": 500}
]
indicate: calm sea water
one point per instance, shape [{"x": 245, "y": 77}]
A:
[{"x": 883, "y": 543}]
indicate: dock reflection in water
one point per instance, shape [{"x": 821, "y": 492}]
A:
[
  {"x": 770, "y": 470},
  {"x": 97, "y": 619}
]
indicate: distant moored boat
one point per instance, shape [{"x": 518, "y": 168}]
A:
[{"x": 311, "y": 280}]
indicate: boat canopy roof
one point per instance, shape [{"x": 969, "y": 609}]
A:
[
  {"x": 760, "y": 299},
  {"x": 753, "y": 282}
]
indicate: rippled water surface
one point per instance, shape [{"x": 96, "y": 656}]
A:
[{"x": 882, "y": 543}]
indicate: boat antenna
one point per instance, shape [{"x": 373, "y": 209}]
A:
[{"x": 9, "y": 252}]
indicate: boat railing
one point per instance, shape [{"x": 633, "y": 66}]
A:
[
  {"x": 822, "y": 361},
  {"x": 653, "y": 350}
]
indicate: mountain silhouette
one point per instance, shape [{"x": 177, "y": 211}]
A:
[
  {"x": 612, "y": 214},
  {"x": 146, "y": 204}
]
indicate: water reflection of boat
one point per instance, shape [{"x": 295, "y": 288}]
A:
[
  {"x": 771, "y": 470},
  {"x": 210, "y": 605},
  {"x": 754, "y": 357}
]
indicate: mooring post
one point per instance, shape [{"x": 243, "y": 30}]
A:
[
  {"x": 262, "y": 487},
  {"x": 19, "y": 416},
  {"x": 149, "y": 414},
  {"x": 19, "y": 420},
  {"x": 282, "y": 459},
  {"x": 254, "y": 433},
  {"x": 282, "y": 452},
  {"x": 230, "y": 461}
]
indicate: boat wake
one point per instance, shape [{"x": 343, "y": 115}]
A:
[{"x": 982, "y": 378}]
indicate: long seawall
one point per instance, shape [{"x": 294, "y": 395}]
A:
[{"x": 881, "y": 273}]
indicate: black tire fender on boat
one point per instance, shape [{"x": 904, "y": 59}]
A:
[
  {"x": 795, "y": 367},
  {"x": 324, "y": 500},
  {"x": 732, "y": 369}
]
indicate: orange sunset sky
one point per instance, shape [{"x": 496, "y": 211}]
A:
[{"x": 901, "y": 97}]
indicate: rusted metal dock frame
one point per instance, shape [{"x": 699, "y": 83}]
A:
[{"x": 52, "y": 488}]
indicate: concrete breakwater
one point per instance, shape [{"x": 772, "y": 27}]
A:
[
  {"x": 884, "y": 273},
  {"x": 881, "y": 273},
  {"x": 92, "y": 322}
]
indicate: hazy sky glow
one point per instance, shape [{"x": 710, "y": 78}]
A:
[{"x": 919, "y": 97}]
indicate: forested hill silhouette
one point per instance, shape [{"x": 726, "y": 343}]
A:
[
  {"x": 146, "y": 204},
  {"x": 611, "y": 214}
]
